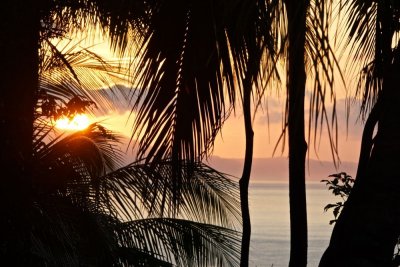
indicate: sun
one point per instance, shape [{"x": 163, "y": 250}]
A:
[{"x": 77, "y": 123}]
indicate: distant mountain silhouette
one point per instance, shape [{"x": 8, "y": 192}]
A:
[
  {"x": 121, "y": 96},
  {"x": 266, "y": 169},
  {"x": 276, "y": 169}
]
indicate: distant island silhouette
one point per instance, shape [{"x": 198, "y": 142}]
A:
[{"x": 275, "y": 169}]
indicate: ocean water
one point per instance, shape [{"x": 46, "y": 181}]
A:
[{"x": 269, "y": 211}]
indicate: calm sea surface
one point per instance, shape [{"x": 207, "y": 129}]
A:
[{"x": 269, "y": 209}]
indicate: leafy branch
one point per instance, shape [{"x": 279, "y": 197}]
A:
[{"x": 341, "y": 185}]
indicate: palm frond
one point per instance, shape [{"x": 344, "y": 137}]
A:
[
  {"x": 252, "y": 39},
  {"x": 361, "y": 23},
  {"x": 206, "y": 195},
  {"x": 372, "y": 28},
  {"x": 79, "y": 204},
  {"x": 115, "y": 20},
  {"x": 74, "y": 162},
  {"x": 85, "y": 214},
  {"x": 69, "y": 235},
  {"x": 323, "y": 63},
  {"x": 185, "y": 243},
  {"x": 68, "y": 71},
  {"x": 209, "y": 196},
  {"x": 184, "y": 66},
  {"x": 66, "y": 234}
]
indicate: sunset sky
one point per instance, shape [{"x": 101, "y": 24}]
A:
[{"x": 230, "y": 142}]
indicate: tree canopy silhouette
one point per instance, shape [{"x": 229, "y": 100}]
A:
[
  {"x": 101, "y": 215},
  {"x": 63, "y": 180}
]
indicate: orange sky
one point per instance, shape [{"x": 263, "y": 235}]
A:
[{"x": 230, "y": 143}]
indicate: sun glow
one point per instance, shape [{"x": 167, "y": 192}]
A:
[{"x": 77, "y": 123}]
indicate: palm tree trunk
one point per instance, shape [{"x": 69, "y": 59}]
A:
[
  {"x": 367, "y": 139},
  {"x": 19, "y": 39},
  {"x": 245, "y": 179},
  {"x": 334, "y": 255},
  {"x": 296, "y": 12},
  {"x": 368, "y": 227}
]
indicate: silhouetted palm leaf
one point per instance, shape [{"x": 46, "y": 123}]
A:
[
  {"x": 95, "y": 146},
  {"x": 65, "y": 234},
  {"x": 68, "y": 71},
  {"x": 112, "y": 18},
  {"x": 206, "y": 195},
  {"x": 321, "y": 64},
  {"x": 70, "y": 195},
  {"x": 366, "y": 39},
  {"x": 184, "y": 66},
  {"x": 78, "y": 214},
  {"x": 190, "y": 64},
  {"x": 186, "y": 243}
]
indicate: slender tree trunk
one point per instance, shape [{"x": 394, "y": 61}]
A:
[
  {"x": 244, "y": 180},
  {"x": 19, "y": 39},
  {"x": 296, "y": 12}
]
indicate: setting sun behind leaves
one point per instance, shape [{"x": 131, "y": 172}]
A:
[{"x": 77, "y": 123}]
